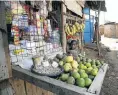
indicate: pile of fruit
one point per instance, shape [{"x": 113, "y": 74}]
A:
[
  {"x": 73, "y": 29},
  {"x": 80, "y": 72}
]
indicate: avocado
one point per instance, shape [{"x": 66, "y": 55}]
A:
[
  {"x": 55, "y": 59},
  {"x": 58, "y": 56}
]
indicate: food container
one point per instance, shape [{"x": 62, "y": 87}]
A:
[{"x": 36, "y": 61}]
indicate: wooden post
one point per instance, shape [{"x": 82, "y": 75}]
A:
[
  {"x": 98, "y": 32},
  {"x": 5, "y": 66},
  {"x": 64, "y": 42}
]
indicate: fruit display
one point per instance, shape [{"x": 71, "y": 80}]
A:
[
  {"x": 73, "y": 29},
  {"x": 80, "y": 72}
]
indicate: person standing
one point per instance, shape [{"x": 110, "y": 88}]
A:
[{"x": 96, "y": 31}]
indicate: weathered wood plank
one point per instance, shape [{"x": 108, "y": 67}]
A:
[
  {"x": 18, "y": 86},
  {"x": 34, "y": 90},
  {"x": 63, "y": 22},
  {"x": 29, "y": 88},
  {"x": 25, "y": 88},
  {"x": 98, "y": 81},
  {"x": 4, "y": 59},
  {"x": 72, "y": 17},
  {"x": 44, "y": 92},
  {"x": 39, "y": 90},
  {"x": 50, "y": 93}
]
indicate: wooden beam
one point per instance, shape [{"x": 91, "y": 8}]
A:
[
  {"x": 71, "y": 17},
  {"x": 64, "y": 42},
  {"x": 98, "y": 33}
]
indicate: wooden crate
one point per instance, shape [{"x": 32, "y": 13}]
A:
[{"x": 53, "y": 85}]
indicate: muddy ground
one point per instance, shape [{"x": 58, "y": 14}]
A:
[{"x": 110, "y": 84}]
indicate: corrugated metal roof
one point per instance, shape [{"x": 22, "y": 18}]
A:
[
  {"x": 96, "y": 4},
  {"x": 74, "y": 6}
]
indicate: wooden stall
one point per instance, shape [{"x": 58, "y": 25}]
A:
[
  {"x": 52, "y": 86},
  {"x": 24, "y": 82}
]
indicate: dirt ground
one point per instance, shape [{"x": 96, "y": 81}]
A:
[{"x": 110, "y": 84}]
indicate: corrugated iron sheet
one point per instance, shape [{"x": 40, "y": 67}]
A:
[{"x": 74, "y": 6}]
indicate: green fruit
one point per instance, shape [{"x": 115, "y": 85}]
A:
[
  {"x": 88, "y": 70},
  {"x": 96, "y": 69},
  {"x": 93, "y": 66},
  {"x": 64, "y": 59},
  {"x": 81, "y": 58},
  {"x": 80, "y": 62},
  {"x": 93, "y": 62},
  {"x": 91, "y": 77},
  {"x": 88, "y": 65},
  {"x": 81, "y": 66},
  {"x": 89, "y": 60},
  {"x": 61, "y": 63},
  {"x": 67, "y": 67},
  {"x": 64, "y": 77},
  {"x": 75, "y": 70},
  {"x": 69, "y": 59},
  {"x": 84, "y": 63},
  {"x": 71, "y": 80},
  {"x": 58, "y": 56},
  {"x": 102, "y": 62},
  {"x": 57, "y": 60},
  {"x": 80, "y": 82},
  {"x": 98, "y": 63},
  {"x": 81, "y": 71},
  {"x": 83, "y": 75},
  {"x": 75, "y": 75},
  {"x": 88, "y": 82},
  {"x": 74, "y": 64},
  {"x": 94, "y": 72},
  {"x": 78, "y": 59},
  {"x": 84, "y": 60},
  {"x": 84, "y": 67}
]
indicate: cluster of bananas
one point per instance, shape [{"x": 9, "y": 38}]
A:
[{"x": 73, "y": 29}]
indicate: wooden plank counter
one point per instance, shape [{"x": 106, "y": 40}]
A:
[{"x": 56, "y": 86}]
